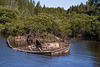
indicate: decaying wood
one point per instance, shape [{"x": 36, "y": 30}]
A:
[{"x": 39, "y": 47}]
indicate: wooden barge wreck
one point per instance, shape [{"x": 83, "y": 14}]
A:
[{"x": 51, "y": 48}]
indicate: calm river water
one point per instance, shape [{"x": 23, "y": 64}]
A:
[{"x": 82, "y": 54}]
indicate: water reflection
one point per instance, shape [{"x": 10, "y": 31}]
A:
[
  {"x": 94, "y": 48},
  {"x": 82, "y": 54}
]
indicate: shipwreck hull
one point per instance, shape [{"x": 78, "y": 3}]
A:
[{"x": 54, "y": 52}]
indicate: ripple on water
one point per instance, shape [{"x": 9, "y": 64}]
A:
[{"x": 82, "y": 54}]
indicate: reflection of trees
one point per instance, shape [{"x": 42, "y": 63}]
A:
[{"x": 94, "y": 48}]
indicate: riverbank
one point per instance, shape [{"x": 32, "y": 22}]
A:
[{"x": 81, "y": 38}]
